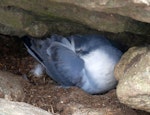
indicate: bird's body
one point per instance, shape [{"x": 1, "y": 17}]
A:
[{"x": 84, "y": 61}]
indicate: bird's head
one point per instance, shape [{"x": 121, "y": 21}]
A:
[{"x": 86, "y": 44}]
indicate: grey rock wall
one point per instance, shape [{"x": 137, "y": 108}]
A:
[{"x": 40, "y": 17}]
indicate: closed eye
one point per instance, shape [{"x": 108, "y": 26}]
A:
[
  {"x": 78, "y": 51},
  {"x": 81, "y": 52}
]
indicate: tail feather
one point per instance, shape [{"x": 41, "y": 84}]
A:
[
  {"x": 39, "y": 48},
  {"x": 29, "y": 42}
]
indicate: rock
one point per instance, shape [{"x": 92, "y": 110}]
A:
[
  {"x": 133, "y": 72},
  {"x": 14, "y": 20},
  {"x": 37, "y": 29},
  {"x": 20, "y": 108},
  {"x": 18, "y": 17},
  {"x": 130, "y": 57},
  {"x": 10, "y": 86},
  {"x": 121, "y": 7}
]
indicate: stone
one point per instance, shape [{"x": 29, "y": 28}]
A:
[
  {"x": 37, "y": 29},
  {"x": 133, "y": 73},
  {"x": 130, "y": 57},
  {"x": 11, "y": 87},
  {"x": 17, "y": 17},
  {"x": 126, "y": 8},
  {"x": 20, "y": 108}
]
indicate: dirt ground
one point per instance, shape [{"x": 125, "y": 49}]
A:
[{"x": 44, "y": 92}]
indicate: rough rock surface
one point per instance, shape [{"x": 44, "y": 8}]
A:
[
  {"x": 10, "y": 86},
  {"x": 133, "y": 72},
  {"x": 19, "y": 108},
  {"x": 41, "y": 17}
]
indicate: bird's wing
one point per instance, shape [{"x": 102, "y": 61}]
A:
[
  {"x": 36, "y": 47},
  {"x": 58, "y": 57},
  {"x": 67, "y": 63}
]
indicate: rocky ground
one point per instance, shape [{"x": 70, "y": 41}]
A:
[{"x": 44, "y": 93}]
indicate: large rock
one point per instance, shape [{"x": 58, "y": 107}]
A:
[
  {"x": 19, "y": 108},
  {"x": 11, "y": 87},
  {"x": 37, "y": 18},
  {"x": 133, "y": 72}
]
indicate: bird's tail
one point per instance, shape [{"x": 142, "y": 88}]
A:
[{"x": 35, "y": 47}]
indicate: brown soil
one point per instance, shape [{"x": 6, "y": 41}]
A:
[{"x": 43, "y": 92}]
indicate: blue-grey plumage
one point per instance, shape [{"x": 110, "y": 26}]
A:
[{"x": 85, "y": 61}]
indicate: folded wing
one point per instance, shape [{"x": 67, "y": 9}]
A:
[{"x": 57, "y": 56}]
